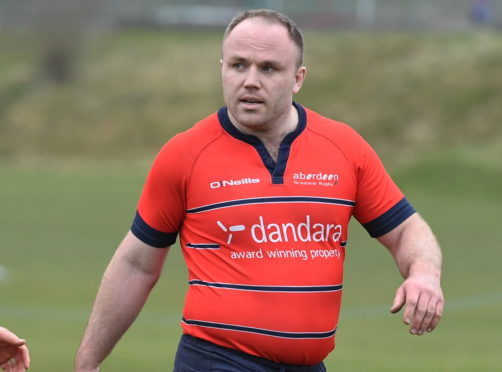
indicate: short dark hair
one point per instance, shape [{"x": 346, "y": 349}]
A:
[{"x": 271, "y": 16}]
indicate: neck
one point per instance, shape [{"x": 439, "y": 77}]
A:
[{"x": 273, "y": 135}]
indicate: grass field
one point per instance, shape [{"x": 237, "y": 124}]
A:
[
  {"x": 73, "y": 158},
  {"x": 60, "y": 227}
]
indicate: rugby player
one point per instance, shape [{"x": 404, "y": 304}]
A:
[{"x": 261, "y": 193}]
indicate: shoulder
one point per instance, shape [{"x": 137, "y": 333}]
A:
[
  {"x": 327, "y": 127},
  {"x": 339, "y": 134},
  {"x": 189, "y": 144}
]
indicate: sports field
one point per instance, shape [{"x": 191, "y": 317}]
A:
[
  {"x": 60, "y": 227},
  {"x": 66, "y": 206}
]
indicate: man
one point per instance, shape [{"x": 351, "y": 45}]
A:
[
  {"x": 14, "y": 355},
  {"x": 261, "y": 193}
]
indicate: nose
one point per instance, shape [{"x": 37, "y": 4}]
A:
[{"x": 252, "y": 79}]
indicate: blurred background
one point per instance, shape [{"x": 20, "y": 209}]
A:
[{"x": 90, "y": 91}]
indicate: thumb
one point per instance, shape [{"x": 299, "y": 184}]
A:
[
  {"x": 9, "y": 338},
  {"x": 399, "y": 300}
]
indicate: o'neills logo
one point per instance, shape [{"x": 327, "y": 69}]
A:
[
  {"x": 330, "y": 177},
  {"x": 239, "y": 182}
]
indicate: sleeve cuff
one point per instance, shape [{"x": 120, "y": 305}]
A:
[
  {"x": 151, "y": 236},
  {"x": 390, "y": 219}
]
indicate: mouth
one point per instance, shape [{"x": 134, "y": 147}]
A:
[{"x": 251, "y": 100}]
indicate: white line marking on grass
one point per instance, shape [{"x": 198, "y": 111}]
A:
[
  {"x": 452, "y": 304},
  {"x": 4, "y": 274},
  {"x": 168, "y": 318},
  {"x": 73, "y": 315}
]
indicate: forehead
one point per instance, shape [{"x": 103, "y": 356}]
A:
[{"x": 255, "y": 37}]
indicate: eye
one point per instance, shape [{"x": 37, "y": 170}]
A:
[
  {"x": 268, "y": 68},
  {"x": 238, "y": 66}
]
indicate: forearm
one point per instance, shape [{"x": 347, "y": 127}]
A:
[
  {"x": 418, "y": 257},
  {"x": 124, "y": 289},
  {"x": 416, "y": 250}
]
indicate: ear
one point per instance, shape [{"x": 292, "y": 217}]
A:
[{"x": 300, "y": 75}]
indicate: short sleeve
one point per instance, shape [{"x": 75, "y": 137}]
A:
[
  {"x": 161, "y": 206},
  {"x": 380, "y": 204}
]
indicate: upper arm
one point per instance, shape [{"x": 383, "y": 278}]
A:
[
  {"x": 392, "y": 239},
  {"x": 161, "y": 207},
  {"x": 140, "y": 255},
  {"x": 380, "y": 205}
]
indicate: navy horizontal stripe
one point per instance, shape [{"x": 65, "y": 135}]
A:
[
  {"x": 203, "y": 245},
  {"x": 151, "y": 236},
  {"x": 266, "y": 332},
  {"x": 272, "y": 199},
  {"x": 390, "y": 219},
  {"x": 269, "y": 288}
]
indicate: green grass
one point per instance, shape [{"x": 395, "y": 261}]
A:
[
  {"x": 58, "y": 231},
  {"x": 60, "y": 227}
]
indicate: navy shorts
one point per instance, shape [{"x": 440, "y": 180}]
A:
[{"x": 196, "y": 355}]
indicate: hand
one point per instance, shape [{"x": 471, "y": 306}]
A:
[
  {"x": 423, "y": 300},
  {"x": 14, "y": 355}
]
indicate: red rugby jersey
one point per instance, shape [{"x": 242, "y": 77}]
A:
[{"x": 264, "y": 241}]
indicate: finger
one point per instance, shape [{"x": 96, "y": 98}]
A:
[
  {"x": 428, "y": 316},
  {"x": 419, "y": 315},
  {"x": 437, "y": 316},
  {"x": 6, "y": 353},
  {"x": 9, "y": 338},
  {"x": 9, "y": 365},
  {"x": 16, "y": 365},
  {"x": 3, "y": 361},
  {"x": 410, "y": 307},
  {"x": 399, "y": 300},
  {"x": 25, "y": 356},
  {"x": 19, "y": 368},
  {"x": 18, "y": 362}
]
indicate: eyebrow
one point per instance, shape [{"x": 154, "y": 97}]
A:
[
  {"x": 266, "y": 62},
  {"x": 237, "y": 59}
]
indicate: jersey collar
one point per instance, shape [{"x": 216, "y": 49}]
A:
[{"x": 276, "y": 170}]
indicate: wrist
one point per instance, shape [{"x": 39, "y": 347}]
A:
[
  {"x": 427, "y": 270},
  {"x": 86, "y": 369},
  {"x": 82, "y": 366}
]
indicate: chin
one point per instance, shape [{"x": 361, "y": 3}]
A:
[{"x": 250, "y": 121}]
